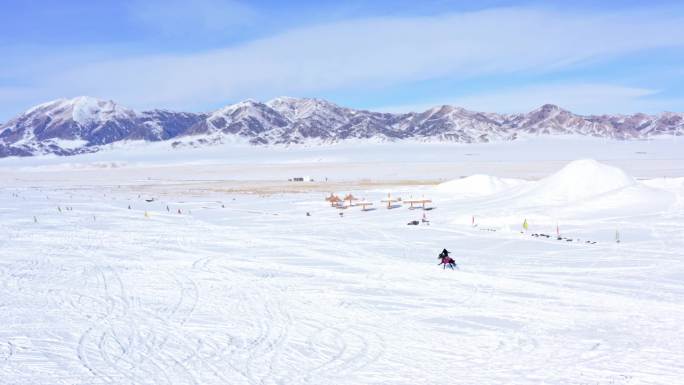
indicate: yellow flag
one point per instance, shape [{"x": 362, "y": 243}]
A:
[
  {"x": 146, "y": 215},
  {"x": 525, "y": 226}
]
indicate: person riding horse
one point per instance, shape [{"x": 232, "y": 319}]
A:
[{"x": 446, "y": 260}]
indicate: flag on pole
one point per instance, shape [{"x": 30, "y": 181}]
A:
[
  {"x": 557, "y": 231},
  {"x": 525, "y": 225}
]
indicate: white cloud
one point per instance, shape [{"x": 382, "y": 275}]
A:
[
  {"x": 579, "y": 98},
  {"x": 358, "y": 55},
  {"x": 176, "y": 17}
]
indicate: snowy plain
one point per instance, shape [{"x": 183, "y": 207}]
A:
[{"x": 224, "y": 279}]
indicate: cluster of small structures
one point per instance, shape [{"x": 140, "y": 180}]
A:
[
  {"x": 301, "y": 179},
  {"x": 339, "y": 203},
  {"x": 525, "y": 227},
  {"x": 390, "y": 202},
  {"x": 559, "y": 238}
]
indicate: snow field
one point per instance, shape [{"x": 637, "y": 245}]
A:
[{"x": 256, "y": 292}]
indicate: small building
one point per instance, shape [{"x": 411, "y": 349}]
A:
[{"x": 302, "y": 179}]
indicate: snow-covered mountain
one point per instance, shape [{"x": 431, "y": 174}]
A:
[
  {"x": 84, "y": 124},
  {"x": 71, "y": 126}
]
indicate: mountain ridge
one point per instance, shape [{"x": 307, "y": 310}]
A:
[{"x": 85, "y": 124}]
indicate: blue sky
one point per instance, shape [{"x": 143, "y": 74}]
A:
[{"x": 503, "y": 56}]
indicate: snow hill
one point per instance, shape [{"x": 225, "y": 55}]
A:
[
  {"x": 587, "y": 187},
  {"x": 578, "y": 180},
  {"x": 84, "y": 124},
  {"x": 591, "y": 186},
  {"x": 581, "y": 189}
]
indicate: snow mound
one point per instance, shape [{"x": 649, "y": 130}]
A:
[
  {"x": 580, "y": 179},
  {"x": 478, "y": 185}
]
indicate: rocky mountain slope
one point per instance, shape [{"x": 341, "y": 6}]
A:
[{"x": 84, "y": 124}]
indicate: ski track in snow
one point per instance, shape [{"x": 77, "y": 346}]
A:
[{"x": 102, "y": 295}]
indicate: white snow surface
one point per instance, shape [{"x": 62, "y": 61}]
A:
[
  {"x": 248, "y": 289},
  {"x": 478, "y": 185},
  {"x": 68, "y": 143},
  {"x": 528, "y": 159},
  {"x": 670, "y": 184}
]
